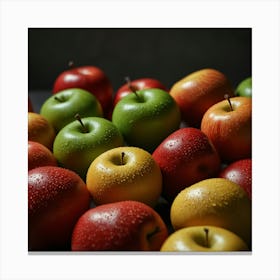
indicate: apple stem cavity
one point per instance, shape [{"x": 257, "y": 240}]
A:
[
  {"x": 58, "y": 99},
  {"x": 131, "y": 87},
  {"x": 227, "y": 97},
  {"x": 78, "y": 118},
  {"x": 206, "y": 230}
]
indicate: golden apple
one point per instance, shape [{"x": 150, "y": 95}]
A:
[
  {"x": 203, "y": 239},
  {"x": 217, "y": 202},
  {"x": 40, "y": 130},
  {"x": 124, "y": 173}
]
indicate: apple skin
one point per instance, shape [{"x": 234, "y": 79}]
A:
[
  {"x": 240, "y": 172},
  {"x": 244, "y": 88},
  {"x": 216, "y": 202},
  {"x": 230, "y": 131},
  {"x": 40, "y": 130},
  {"x": 198, "y": 91},
  {"x": 147, "y": 118},
  {"x": 195, "y": 239},
  {"x": 119, "y": 226},
  {"x": 61, "y": 108},
  {"x": 185, "y": 157},
  {"x": 57, "y": 197},
  {"x": 39, "y": 155},
  {"x": 90, "y": 78},
  {"x": 138, "y": 84},
  {"x": 75, "y": 149},
  {"x": 124, "y": 173}
]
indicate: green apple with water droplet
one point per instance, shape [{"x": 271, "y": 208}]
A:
[
  {"x": 61, "y": 108},
  {"x": 124, "y": 173},
  {"x": 81, "y": 141},
  {"x": 146, "y": 117}
]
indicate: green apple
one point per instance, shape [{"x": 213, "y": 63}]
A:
[
  {"x": 146, "y": 117},
  {"x": 61, "y": 108},
  {"x": 244, "y": 88},
  {"x": 203, "y": 239},
  {"x": 81, "y": 141}
]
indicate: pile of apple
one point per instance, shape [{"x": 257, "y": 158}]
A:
[{"x": 144, "y": 169}]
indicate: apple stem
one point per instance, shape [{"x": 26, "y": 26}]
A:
[
  {"x": 131, "y": 87},
  {"x": 71, "y": 64},
  {"x": 58, "y": 99},
  {"x": 227, "y": 97},
  {"x": 206, "y": 230},
  {"x": 78, "y": 118},
  {"x": 122, "y": 158}
]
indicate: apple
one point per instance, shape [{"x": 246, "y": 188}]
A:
[
  {"x": 228, "y": 124},
  {"x": 78, "y": 143},
  {"x": 57, "y": 197},
  {"x": 40, "y": 130},
  {"x": 119, "y": 226},
  {"x": 61, "y": 108},
  {"x": 239, "y": 172},
  {"x": 135, "y": 85},
  {"x": 185, "y": 157},
  {"x": 244, "y": 88},
  {"x": 90, "y": 78},
  {"x": 124, "y": 173},
  {"x": 203, "y": 239},
  {"x": 146, "y": 117},
  {"x": 39, "y": 155},
  {"x": 214, "y": 202},
  {"x": 198, "y": 91}
]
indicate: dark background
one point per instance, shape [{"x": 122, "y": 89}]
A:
[{"x": 167, "y": 54}]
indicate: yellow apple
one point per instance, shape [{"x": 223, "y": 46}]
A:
[
  {"x": 203, "y": 239},
  {"x": 40, "y": 130},
  {"x": 124, "y": 173},
  {"x": 217, "y": 202}
]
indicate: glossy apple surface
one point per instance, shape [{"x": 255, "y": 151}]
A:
[
  {"x": 124, "y": 173},
  {"x": 240, "y": 172},
  {"x": 61, "y": 108},
  {"x": 185, "y": 157},
  {"x": 40, "y": 130},
  {"x": 119, "y": 226},
  {"x": 90, "y": 78},
  {"x": 57, "y": 197},
  {"x": 230, "y": 128},
  {"x": 146, "y": 118},
  {"x": 244, "y": 88},
  {"x": 76, "y": 145},
  {"x": 216, "y": 202},
  {"x": 203, "y": 239},
  {"x": 39, "y": 155},
  {"x": 198, "y": 91},
  {"x": 137, "y": 84}
]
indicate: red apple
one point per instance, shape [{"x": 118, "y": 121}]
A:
[
  {"x": 119, "y": 226},
  {"x": 90, "y": 78},
  {"x": 57, "y": 197},
  {"x": 185, "y": 157},
  {"x": 198, "y": 91},
  {"x": 240, "y": 172},
  {"x": 138, "y": 84},
  {"x": 39, "y": 155},
  {"x": 228, "y": 124}
]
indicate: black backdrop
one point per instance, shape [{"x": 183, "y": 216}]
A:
[{"x": 167, "y": 54}]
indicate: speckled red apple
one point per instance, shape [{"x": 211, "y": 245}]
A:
[
  {"x": 240, "y": 172},
  {"x": 57, "y": 197},
  {"x": 119, "y": 226},
  {"x": 39, "y": 155},
  {"x": 185, "y": 157}
]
